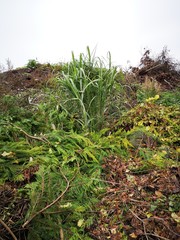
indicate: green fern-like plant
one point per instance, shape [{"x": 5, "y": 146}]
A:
[{"x": 72, "y": 212}]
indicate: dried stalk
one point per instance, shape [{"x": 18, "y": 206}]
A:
[
  {"x": 43, "y": 139},
  {"x": 8, "y": 229},
  {"x": 145, "y": 233},
  {"x": 61, "y": 233}
]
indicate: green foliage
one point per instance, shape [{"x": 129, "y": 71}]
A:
[
  {"x": 17, "y": 156},
  {"x": 32, "y": 64},
  {"x": 86, "y": 85},
  {"x": 73, "y": 212},
  {"x": 74, "y": 156},
  {"x": 66, "y": 155},
  {"x": 170, "y": 98},
  {"x": 49, "y": 115},
  {"x": 153, "y": 130},
  {"x": 14, "y": 106},
  {"x": 160, "y": 121},
  {"x": 174, "y": 203},
  {"x": 148, "y": 89}
]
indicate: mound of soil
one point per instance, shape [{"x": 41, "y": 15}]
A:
[{"x": 18, "y": 80}]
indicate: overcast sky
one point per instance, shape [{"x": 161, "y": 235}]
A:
[{"x": 48, "y": 30}]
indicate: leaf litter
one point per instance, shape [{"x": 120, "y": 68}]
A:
[{"x": 140, "y": 206}]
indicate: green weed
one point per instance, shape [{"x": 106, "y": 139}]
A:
[
  {"x": 86, "y": 85},
  {"x": 32, "y": 64}
]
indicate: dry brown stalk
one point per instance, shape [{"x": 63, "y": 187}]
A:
[
  {"x": 8, "y": 229},
  {"x": 43, "y": 139}
]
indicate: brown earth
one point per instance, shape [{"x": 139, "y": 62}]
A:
[{"x": 19, "y": 80}]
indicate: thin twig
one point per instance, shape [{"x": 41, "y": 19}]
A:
[
  {"x": 154, "y": 67},
  {"x": 138, "y": 201},
  {"x": 150, "y": 234},
  {"x": 61, "y": 233},
  {"x": 146, "y": 69},
  {"x": 43, "y": 139},
  {"x": 145, "y": 233},
  {"x": 162, "y": 221},
  {"x": 155, "y": 235},
  {"x": 52, "y": 203},
  {"x": 168, "y": 83},
  {"x": 8, "y": 229}
]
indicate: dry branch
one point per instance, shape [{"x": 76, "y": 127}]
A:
[
  {"x": 8, "y": 229},
  {"x": 43, "y": 139}
]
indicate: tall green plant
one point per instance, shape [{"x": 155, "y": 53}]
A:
[{"x": 86, "y": 86}]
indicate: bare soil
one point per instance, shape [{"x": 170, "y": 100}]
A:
[{"x": 19, "y": 80}]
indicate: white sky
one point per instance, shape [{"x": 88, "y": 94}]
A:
[{"x": 48, "y": 30}]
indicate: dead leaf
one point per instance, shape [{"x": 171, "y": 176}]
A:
[
  {"x": 158, "y": 194},
  {"x": 175, "y": 217},
  {"x": 80, "y": 222},
  {"x": 7, "y": 154},
  {"x": 133, "y": 235}
]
